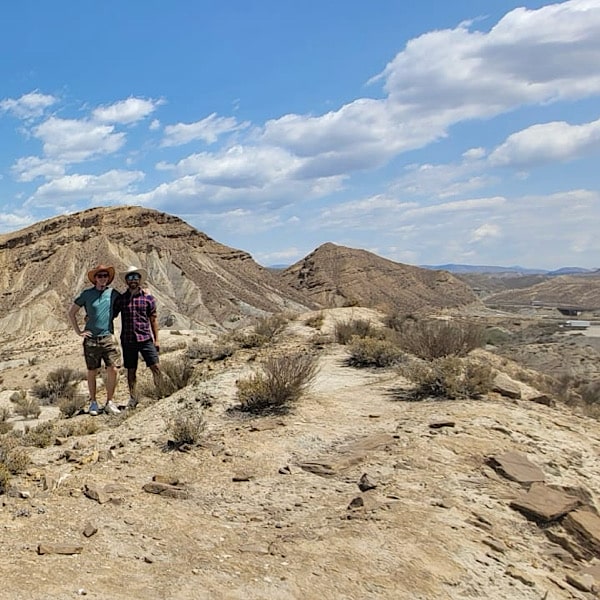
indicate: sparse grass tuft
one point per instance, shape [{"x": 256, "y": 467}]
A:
[
  {"x": 83, "y": 426},
  {"x": 449, "y": 377},
  {"x": 281, "y": 383}
]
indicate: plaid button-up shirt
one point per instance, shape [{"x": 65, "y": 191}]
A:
[{"x": 135, "y": 316}]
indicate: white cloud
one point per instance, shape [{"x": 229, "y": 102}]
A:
[
  {"x": 547, "y": 142},
  {"x": 461, "y": 74},
  {"x": 94, "y": 188},
  {"x": 12, "y": 221},
  {"x": 71, "y": 140},
  {"x": 28, "y": 106},
  {"x": 154, "y": 125},
  {"x": 29, "y": 168},
  {"x": 208, "y": 130},
  {"x": 486, "y": 231},
  {"x": 125, "y": 111}
]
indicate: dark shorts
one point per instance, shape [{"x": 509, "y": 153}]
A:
[
  {"x": 131, "y": 352},
  {"x": 96, "y": 350}
]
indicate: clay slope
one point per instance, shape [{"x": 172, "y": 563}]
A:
[
  {"x": 567, "y": 290},
  {"x": 196, "y": 280},
  {"x": 335, "y": 276}
]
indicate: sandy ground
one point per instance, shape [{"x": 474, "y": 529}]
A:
[{"x": 271, "y": 509}]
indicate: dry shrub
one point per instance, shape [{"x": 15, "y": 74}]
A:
[
  {"x": 176, "y": 373},
  {"x": 4, "y": 478},
  {"x": 5, "y": 414},
  {"x": 269, "y": 327},
  {"x": 59, "y": 384},
  {"x": 187, "y": 427},
  {"x": 315, "y": 321},
  {"x": 84, "y": 426},
  {"x": 42, "y": 435},
  {"x": 344, "y": 331},
  {"x": 430, "y": 339},
  {"x": 578, "y": 393},
  {"x": 281, "y": 383},
  {"x": 449, "y": 377},
  {"x": 220, "y": 350},
  {"x": 27, "y": 407},
  {"x": 371, "y": 352},
  {"x": 16, "y": 460},
  {"x": 69, "y": 407}
]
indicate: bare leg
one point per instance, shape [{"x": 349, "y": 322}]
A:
[
  {"x": 132, "y": 382},
  {"x": 111, "y": 382},
  {"x": 91, "y": 381}
]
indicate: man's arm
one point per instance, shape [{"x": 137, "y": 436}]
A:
[
  {"x": 154, "y": 325},
  {"x": 72, "y": 315}
]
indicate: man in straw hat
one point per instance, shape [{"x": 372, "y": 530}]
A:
[
  {"x": 139, "y": 329},
  {"x": 99, "y": 343}
]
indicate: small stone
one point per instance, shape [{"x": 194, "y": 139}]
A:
[
  {"x": 89, "y": 530},
  {"x": 355, "y": 503},
  {"x": 168, "y": 479},
  {"x": 242, "y": 477},
  {"x": 581, "y": 581},
  {"x": 439, "y": 423},
  {"x": 365, "y": 483}
]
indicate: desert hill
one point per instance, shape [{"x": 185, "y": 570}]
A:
[
  {"x": 338, "y": 276},
  {"x": 198, "y": 282},
  {"x": 565, "y": 290}
]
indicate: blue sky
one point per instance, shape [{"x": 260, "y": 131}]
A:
[{"x": 429, "y": 133}]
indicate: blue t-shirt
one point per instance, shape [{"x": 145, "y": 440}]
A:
[{"x": 99, "y": 309}]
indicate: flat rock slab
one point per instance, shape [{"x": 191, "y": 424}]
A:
[
  {"x": 166, "y": 490},
  {"x": 516, "y": 467},
  {"x": 586, "y": 527},
  {"x": 506, "y": 386},
  {"x": 542, "y": 503},
  {"x": 59, "y": 549}
]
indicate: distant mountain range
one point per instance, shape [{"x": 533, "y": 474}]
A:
[{"x": 454, "y": 268}]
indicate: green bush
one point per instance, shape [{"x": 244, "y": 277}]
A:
[
  {"x": 281, "y": 383},
  {"x": 371, "y": 352},
  {"x": 449, "y": 377},
  {"x": 429, "y": 339},
  {"x": 59, "y": 384}
]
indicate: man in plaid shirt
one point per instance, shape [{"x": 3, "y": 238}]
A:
[{"x": 139, "y": 329}]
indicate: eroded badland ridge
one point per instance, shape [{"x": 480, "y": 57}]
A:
[
  {"x": 198, "y": 282},
  {"x": 357, "y": 492}
]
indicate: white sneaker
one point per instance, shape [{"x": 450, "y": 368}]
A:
[{"x": 110, "y": 408}]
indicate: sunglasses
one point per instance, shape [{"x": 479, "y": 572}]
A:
[
  {"x": 133, "y": 277},
  {"x": 102, "y": 275}
]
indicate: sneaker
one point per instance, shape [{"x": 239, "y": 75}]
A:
[
  {"x": 93, "y": 410},
  {"x": 131, "y": 404},
  {"x": 110, "y": 408}
]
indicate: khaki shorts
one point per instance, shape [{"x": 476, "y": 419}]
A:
[{"x": 96, "y": 350}]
